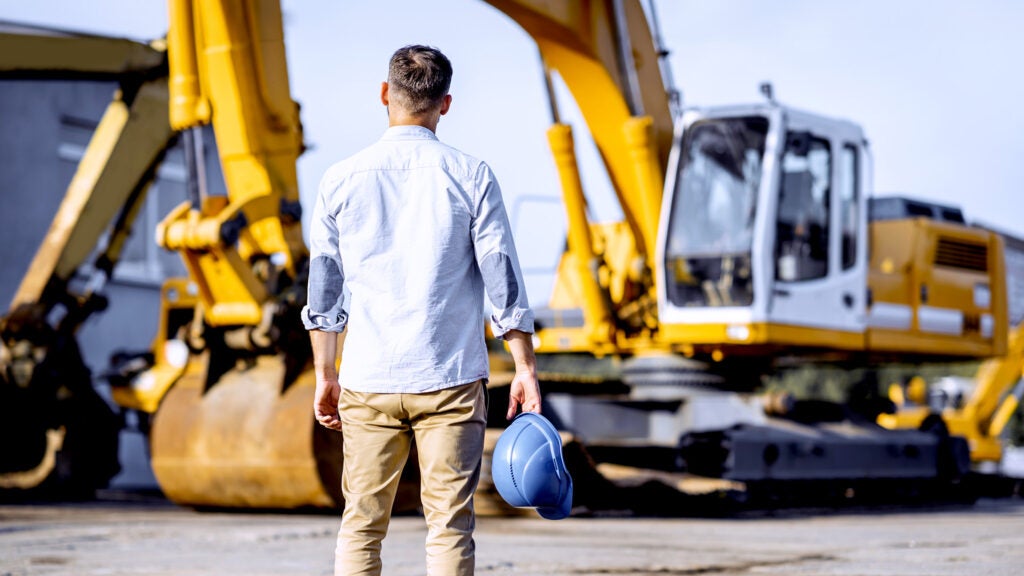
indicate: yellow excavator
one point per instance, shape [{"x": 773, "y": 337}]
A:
[{"x": 749, "y": 243}]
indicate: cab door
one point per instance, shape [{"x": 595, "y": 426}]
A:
[{"x": 818, "y": 259}]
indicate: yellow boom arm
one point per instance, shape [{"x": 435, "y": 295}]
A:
[
  {"x": 604, "y": 51},
  {"x": 227, "y": 64}
]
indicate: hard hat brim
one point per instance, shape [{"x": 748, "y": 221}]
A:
[{"x": 564, "y": 507}]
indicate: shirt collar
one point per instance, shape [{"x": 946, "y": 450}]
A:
[{"x": 411, "y": 132}]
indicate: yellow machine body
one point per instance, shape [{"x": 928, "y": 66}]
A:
[
  {"x": 947, "y": 280},
  {"x": 942, "y": 287}
]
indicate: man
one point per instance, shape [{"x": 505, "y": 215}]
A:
[{"x": 417, "y": 233}]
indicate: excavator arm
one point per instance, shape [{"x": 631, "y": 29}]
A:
[
  {"x": 69, "y": 435},
  {"x": 33, "y": 52},
  {"x": 228, "y": 68},
  {"x": 231, "y": 387},
  {"x": 982, "y": 418},
  {"x": 122, "y": 156},
  {"x": 604, "y": 52},
  {"x": 244, "y": 251},
  {"x": 1000, "y": 388}
]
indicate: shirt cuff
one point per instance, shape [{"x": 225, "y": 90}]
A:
[
  {"x": 316, "y": 321},
  {"x": 517, "y": 319}
]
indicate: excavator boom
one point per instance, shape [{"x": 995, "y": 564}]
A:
[
  {"x": 604, "y": 52},
  {"x": 232, "y": 423}
]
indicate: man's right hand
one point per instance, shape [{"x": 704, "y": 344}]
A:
[
  {"x": 525, "y": 394},
  {"x": 325, "y": 403}
]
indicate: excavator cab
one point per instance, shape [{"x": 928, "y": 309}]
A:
[
  {"x": 768, "y": 248},
  {"x": 762, "y": 234}
]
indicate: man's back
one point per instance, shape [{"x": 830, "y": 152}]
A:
[{"x": 413, "y": 216}]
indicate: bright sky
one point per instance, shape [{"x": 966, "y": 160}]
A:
[{"x": 936, "y": 84}]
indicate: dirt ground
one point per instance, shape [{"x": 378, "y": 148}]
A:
[{"x": 156, "y": 538}]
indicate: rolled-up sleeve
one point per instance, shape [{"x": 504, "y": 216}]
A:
[
  {"x": 324, "y": 309},
  {"x": 496, "y": 257}
]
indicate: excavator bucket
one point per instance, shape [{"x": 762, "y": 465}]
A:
[{"x": 244, "y": 442}]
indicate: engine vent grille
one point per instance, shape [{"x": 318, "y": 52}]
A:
[{"x": 959, "y": 254}]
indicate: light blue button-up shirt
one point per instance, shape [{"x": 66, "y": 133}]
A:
[{"x": 406, "y": 238}]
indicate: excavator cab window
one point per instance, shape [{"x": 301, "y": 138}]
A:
[
  {"x": 849, "y": 199},
  {"x": 711, "y": 226},
  {"x": 802, "y": 226}
]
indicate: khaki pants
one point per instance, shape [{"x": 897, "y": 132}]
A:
[{"x": 448, "y": 426}]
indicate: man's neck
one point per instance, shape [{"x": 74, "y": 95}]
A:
[{"x": 428, "y": 121}]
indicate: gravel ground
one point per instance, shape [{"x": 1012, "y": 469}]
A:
[{"x": 156, "y": 538}]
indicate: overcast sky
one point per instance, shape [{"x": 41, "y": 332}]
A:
[{"x": 937, "y": 85}]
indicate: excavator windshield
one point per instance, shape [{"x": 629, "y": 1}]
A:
[{"x": 711, "y": 226}]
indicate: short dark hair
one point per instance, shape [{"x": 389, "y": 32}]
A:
[{"x": 419, "y": 77}]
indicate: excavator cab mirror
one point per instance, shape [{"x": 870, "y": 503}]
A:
[{"x": 798, "y": 143}]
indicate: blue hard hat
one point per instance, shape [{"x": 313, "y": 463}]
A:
[{"x": 528, "y": 468}]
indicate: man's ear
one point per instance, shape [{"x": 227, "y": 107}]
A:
[
  {"x": 445, "y": 104},
  {"x": 384, "y": 93}
]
